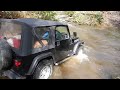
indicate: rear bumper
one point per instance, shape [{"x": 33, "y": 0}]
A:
[{"x": 12, "y": 75}]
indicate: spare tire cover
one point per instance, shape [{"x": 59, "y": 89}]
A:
[{"x": 5, "y": 55}]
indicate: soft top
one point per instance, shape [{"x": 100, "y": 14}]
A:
[{"x": 34, "y": 22}]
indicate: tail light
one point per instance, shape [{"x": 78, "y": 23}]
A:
[{"x": 17, "y": 63}]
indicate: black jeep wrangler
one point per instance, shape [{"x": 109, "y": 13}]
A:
[{"x": 30, "y": 47}]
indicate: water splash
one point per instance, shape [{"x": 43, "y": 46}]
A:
[{"x": 82, "y": 56}]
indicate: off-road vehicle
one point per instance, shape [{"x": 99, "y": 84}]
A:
[{"x": 29, "y": 48}]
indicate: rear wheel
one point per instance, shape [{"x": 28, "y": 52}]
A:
[{"x": 44, "y": 70}]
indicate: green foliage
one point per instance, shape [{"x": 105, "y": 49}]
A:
[
  {"x": 11, "y": 14},
  {"x": 99, "y": 18},
  {"x": 88, "y": 18},
  {"x": 47, "y": 15},
  {"x": 69, "y": 13}
]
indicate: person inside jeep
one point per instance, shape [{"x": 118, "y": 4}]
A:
[
  {"x": 44, "y": 40},
  {"x": 38, "y": 45},
  {"x": 58, "y": 35}
]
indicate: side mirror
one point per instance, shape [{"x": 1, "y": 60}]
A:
[{"x": 74, "y": 34}]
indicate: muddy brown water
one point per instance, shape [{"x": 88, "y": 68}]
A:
[{"x": 100, "y": 58}]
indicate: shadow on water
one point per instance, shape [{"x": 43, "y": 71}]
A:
[{"x": 100, "y": 58}]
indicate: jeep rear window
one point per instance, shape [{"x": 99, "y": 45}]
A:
[{"x": 12, "y": 32}]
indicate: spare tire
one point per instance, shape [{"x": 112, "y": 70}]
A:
[{"x": 5, "y": 55}]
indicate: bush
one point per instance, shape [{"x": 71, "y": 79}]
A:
[
  {"x": 11, "y": 14},
  {"x": 88, "y": 18},
  {"x": 47, "y": 15},
  {"x": 99, "y": 18},
  {"x": 69, "y": 13}
]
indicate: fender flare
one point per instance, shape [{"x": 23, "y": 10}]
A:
[
  {"x": 76, "y": 47},
  {"x": 37, "y": 59}
]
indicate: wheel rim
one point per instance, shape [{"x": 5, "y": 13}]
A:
[{"x": 45, "y": 72}]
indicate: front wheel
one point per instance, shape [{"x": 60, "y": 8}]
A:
[{"x": 44, "y": 70}]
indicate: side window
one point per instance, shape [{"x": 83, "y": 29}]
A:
[
  {"x": 62, "y": 33},
  {"x": 42, "y": 37}
]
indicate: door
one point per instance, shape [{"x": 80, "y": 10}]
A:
[{"x": 62, "y": 42}]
